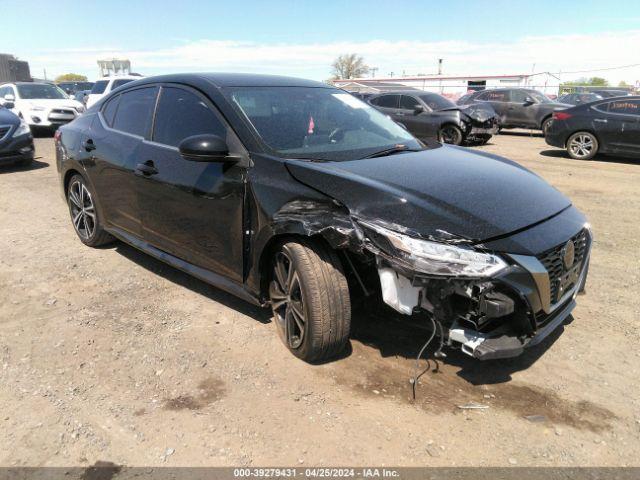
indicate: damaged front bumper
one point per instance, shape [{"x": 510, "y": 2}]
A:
[{"x": 499, "y": 316}]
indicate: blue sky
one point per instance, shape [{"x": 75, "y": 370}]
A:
[{"x": 301, "y": 37}]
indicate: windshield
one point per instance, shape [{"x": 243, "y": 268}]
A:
[
  {"x": 539, "y": 97},
  {"x": 437, "y": 102},
  {"x": 40, "y": 90},
  {"x": 99, "y": 87},
  {"x": 319, "y": 123}
]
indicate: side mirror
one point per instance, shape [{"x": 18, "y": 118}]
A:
[
  {"x": 205, "y": 148},
  {"x": 418, "y": 109},
  {"x": 9, "y": 105},
  {"x": 9, "y": 97},
  {"x": 528, "y": 102}
]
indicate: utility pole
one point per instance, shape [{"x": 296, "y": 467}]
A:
[
  {"x": 45, "y": 73},
  {"x": 373, "y": 71},
  {"x": 440, "y": 66}
]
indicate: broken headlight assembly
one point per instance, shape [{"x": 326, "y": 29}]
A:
[{"x": 434, "y": 258}]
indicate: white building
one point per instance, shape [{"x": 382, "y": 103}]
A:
[{"x": 453, "y": 86}]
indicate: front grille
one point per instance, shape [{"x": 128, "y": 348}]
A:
[
  {"x": 62, "y": 111},
  {"x": 553, "y": 261}
]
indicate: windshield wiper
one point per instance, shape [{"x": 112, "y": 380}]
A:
[{"x": 391, "y": 151}]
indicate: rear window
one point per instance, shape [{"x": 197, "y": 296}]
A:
[
  {"x": 135, "y": 110},
  {"x": 387, "y": 101},
  {"x": 99, "y": 87}
]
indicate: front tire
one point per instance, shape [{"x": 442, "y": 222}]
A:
[
  {"x": 451, "y": 134},
  {"x": 582, "y": 146},
  {"x": 310, "y": 300},
  {"x": 545, "y": 125},
  {"x": 84, "y": 214}
]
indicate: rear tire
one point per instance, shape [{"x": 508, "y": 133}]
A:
[
  {"x": 310, "y": 300},
  {"x": 84, "y": 214},
  {"x": 582, "y": 146},
  {"x": 546, "y": 124}
]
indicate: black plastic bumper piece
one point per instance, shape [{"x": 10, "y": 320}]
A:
[
  {"x": 500, "y": 347},
  {"x": 507, "y": 346}
]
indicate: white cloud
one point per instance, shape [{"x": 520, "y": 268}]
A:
[{"x": 549, "y": 53}]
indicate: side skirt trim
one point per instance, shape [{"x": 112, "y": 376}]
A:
[{"x": 205, "y": 275}]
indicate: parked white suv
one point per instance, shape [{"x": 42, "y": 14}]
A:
[
  {"x": 105, "y": 85},
  {"x": 40, "y": 104}
]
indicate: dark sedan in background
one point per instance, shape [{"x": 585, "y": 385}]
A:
[
  {"x": 16, "y": 141},
  {"x": 518, "y": 107},
  {"x": 430, "y": 116},
  {"x": 611, "y": 126}
]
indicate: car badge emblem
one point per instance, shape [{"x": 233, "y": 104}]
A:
[{"x": 568, "y": 254}]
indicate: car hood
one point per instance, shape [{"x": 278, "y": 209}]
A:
[
  {"x": 479, "y": 112},
  {"x": 52, "y": 103},
  {"x": 442, "y": 192},
  {"x": 7, "y": 117}
]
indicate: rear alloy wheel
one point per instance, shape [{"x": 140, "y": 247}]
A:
[
  {"x": 582, "y": 146},
  {"x": 310, "y": 300},
  {"x": 451, "y": 134},
  {"x": 84, "y": 214}
]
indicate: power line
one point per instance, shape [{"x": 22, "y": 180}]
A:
[{"x": 600, "y": 69}]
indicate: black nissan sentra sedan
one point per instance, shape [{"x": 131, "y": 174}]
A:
[
  {"x": 16, "y": 141},
  {"x": 296, "y": 195}
]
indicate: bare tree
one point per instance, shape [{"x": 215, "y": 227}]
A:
[{"x": 349, "y": 65}]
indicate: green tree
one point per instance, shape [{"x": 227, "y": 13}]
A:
[
  {"x": 71, "y": 77},
  {"x": 583, "y": 82},
  {"x": 623, "y": 84},
  {"x": 350, "y": 65}
]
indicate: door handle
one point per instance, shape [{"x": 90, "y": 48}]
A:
[
  {"x": 147, "y": 168},
  {"x": 88, "y": 145},
  {"x": 600, "y": 120}
]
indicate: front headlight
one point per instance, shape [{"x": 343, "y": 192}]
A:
[
  {"x": 79, "y": 109},
  {"x": 435, "y": 258},
  {"x": 22, "y": 129}
]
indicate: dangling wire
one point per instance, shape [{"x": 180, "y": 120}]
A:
[
  {"x": 438, "y": 354},
  {"x": 416, "y": 376}
]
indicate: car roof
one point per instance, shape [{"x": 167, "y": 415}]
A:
[{"x": 221, "y": 80}]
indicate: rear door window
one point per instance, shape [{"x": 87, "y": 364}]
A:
[
  {"x": 109, "y": 110},
  {"x": 181, "y": 114},
  {"x": 135, "y": 111},
  {"x": 494, "y": 96},
  {"x": 626, "y": 107},
  {"x": 388, "y": 101}
]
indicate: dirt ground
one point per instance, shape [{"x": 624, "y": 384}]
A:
[{"x": 109, "y": 355}]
